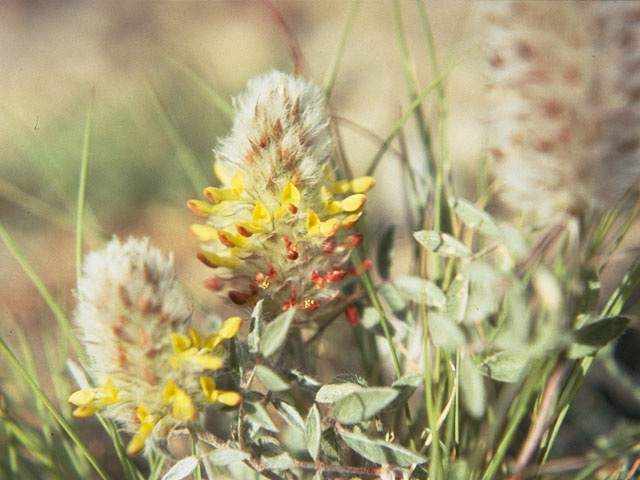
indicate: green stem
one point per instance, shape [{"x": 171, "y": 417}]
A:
[
  {"x": 15, "y": 363},
  {"x": 82, "y": 188},
  {"x": 62, "y": 319},
  {"x": 330, "y": 77}
]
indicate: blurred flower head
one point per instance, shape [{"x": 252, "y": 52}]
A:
[
  {"x": 566, "y": 113},
  {"x": 152, "y": 369},
  {"x": 278, "y": 227}
]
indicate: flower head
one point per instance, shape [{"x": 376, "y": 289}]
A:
[
  {"x": 153, "y": 370},
  {"x": 272, "y": 229},
  {"x": 567, "y": 112}
]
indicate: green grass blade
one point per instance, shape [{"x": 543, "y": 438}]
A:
[
  {"x": 187, "y": 159},
  {"x": 62, "y": 319},
  {"x": 407, "y": 114},
  {"x": 218, "y": 101},
  {"x": 34, "y": 205},
  {"x": 412, "y": 84},
  {"x": 17, "y": 366},
  {"x": 82, "y": 188},
  {"x": 332, "y": 72}
]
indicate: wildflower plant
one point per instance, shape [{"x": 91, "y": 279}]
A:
[
  {"x": 274, "y": 229},
  {"x": 466, "y": 365}
]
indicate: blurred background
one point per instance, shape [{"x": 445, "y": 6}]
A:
[{"x": 147, "y": 63}]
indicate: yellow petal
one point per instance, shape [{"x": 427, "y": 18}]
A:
[
  {"x": 180, "y": 342},
  {"x": 230, "y": 327},
  {"x": 136, "y": 444},
  {"x": 341, "y": 186},
  {"x": 204, "y": 233},
  {"x": 334, "y": 207},
  {"x": 353, "y": 202},
  {"x": 82, "y": 397},
  {"x": 237, "y": 183},
  {"x": 291, "y": 194},
  {"x": 213, "y": 260},
  {"x": 84, "y": 411},
  {"x": 330, "y": 227},
  {"x": 199, "y": 207},
  {"x": 169, "y": 391},
  {"x": 313, "y": 222},
  {"x": 350, "y": 220},
  {"x": 229, "y": 398},
  {"x": 183, "y": 408},
  {"x": 326, "y": 196},
  {"x": 222, "y": 172},
  {"x": 362, "y": 184},
  {"x": 206, "y": 361},
  {"x": 209, "y": 389},
  {"x": 212, "y": 341},
  {"x": 195, "y": 337},
  {"x": 260, "y": 213}
]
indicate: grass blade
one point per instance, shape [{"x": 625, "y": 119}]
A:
[
  {"x": 61, "y": 317},
  {"x": 187, "y": 159},
  {"x": 219, "y": 102},
  {"x": 332, "y": 72},
  {"x": 82, "y": 188},
  {"x": 407, "y": 114},
  {"x": 17, "y": 366}
]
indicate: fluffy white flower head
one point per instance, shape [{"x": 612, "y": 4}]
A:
[
  {"x": 151, "y": 367},
  {"x": 278, "y": 227}
]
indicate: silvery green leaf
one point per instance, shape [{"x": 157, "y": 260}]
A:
[
  {"x": 289, "y": 414},
  {"x": 363, "y": 404},
  {"x": 385, "y": 251},
  {"x": 257, "y": 414},
  {"x": 474, "y": 395},
  {"x": 182, "y": 469},
  {"x": 335, "y": 391},
  {"x": 380, "y": 451},
  {"x": 442, "y": 243},
  {"x": 369, "y": 318},
  {"x": 421, "y": 291},
  {"x": 278, "y": 462},
  {"x": 474, "y": 217},
  {"x": 256, "y": 320},
  {"x": 514, "y": 240},
  {"x": 392, "y": 296},
  {"x": 504, "y": 366},
  {"x": 270, "y": 379},
  {"x": 411, "y": 380},
  {"x": 445, "y": 332},
  {"x": 313, "y": 432},
  {"x": 227, "y": 456},
  {"x": 302, "y": 380},
  {"x": 406, "y": 385},
  {"x": 484, "y": 293},
  {"x": 275, "y": 333},
  {"x": 458, "y": 297},
  {"x": 590, "y": 338}
]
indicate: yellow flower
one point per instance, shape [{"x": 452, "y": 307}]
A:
[
  {"x": 134, "y": 323},
  {"x": 280, "y": 217}
]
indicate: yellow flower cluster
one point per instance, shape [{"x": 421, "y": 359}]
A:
[
  {"x": 154, "y": 369},
  {"x": 272, "y": 227}
]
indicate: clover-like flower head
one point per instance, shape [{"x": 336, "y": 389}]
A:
[
  {"x": 153, "y": 370},
  {"x": 279, "y": 226}
]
